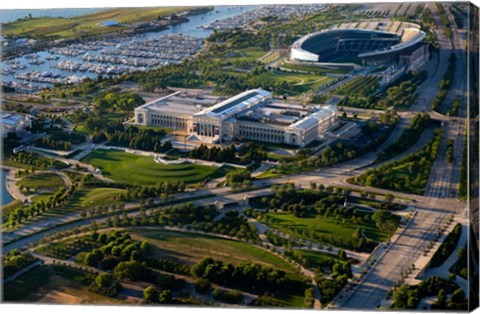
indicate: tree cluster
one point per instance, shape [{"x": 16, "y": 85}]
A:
[
  {"x": 228, "y": 296},
  {"x": 36, "y": 160},
  {"x": 114, "y": 101},
  {"x": 408, "y": 297},
  {"x": 214, "y": 153},
  {"x": 445, "y": 84},
  {"x": 14, "y": 260},
  {"x": 132, "y": 137},
  {"x": 409, "y": 137},
  {"x": 250, "y": 276},
  {"x": 447, "y": 247},
  {"x": 416, "y": 169},
  {"x": 239, "y": 179},
  {"x": 116, "y": 246}
]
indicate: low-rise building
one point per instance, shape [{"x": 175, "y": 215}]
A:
[
  {"x": 251, "y": 115},
  {"x": 14, "y": 123}
]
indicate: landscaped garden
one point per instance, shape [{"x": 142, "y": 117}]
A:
[
  {"x": 143, "y": 170},
  {"x": 40, "y": 181}
]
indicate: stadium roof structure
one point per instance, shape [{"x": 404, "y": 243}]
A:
[{"x": 362, "y": 43}]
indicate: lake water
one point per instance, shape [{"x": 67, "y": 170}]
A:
[
  {"x": 6, "y": 197},
  {"x": 191, "y": 28}
]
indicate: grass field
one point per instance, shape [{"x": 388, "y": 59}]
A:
[
  {"x": 270, "y": 173},
  {"x": 143, "y": 170},
  {"x": 249, "y": 54},
  {"x": 300, "y": 82},
  {"x": 361, "y": 86},
  {"x": 47, "y": 181},
  {"x": 85, "y": 25},
  {"x": 92, "y": 197},
  {"x": 99, "y": 196},
  {"x": 316, "y": 70},
  {"x": 189, "y": 248},
  {"x": 269, "y": 57},
  {"x": 316, "y": 259},
  {"x": 53, "y": 284},
  {"x": 322, "y": 229}
]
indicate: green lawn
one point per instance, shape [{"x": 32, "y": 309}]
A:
[
  {"x": 312, "y": 69},
  {"x": 92, "y": 197},
  {"x": 143, "y": 170},
  {"x": 85, "y": 24},
  {"x": 189, "y": 248},
  {"x": 322, "y": 229},
  {"x": 247, "y": 55},
  {"x": 99, "y": 196},
  {"x": 270, "y": 173},
  {"x": 53, "y": 284},
  {"x": 301, "y": 82},
  {"x": 315, "y": 259},
  {"x": 47, "y": 181}
]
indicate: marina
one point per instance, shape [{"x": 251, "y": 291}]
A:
[
  {"x": 113, "y": 55},
  {"x": 264, "y": 11}
]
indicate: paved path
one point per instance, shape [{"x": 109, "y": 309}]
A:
[
  {"x": 22, "y": 271},
  {"x": 12, "y": 188}
]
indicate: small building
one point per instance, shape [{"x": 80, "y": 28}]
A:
[{"x": 14, "y": 123}]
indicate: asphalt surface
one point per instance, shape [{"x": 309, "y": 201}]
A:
[
  {"x": 433, "y": 209},
  {"x": 442, "y": 181}
]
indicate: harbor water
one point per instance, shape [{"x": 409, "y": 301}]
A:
[{"x": 63, "y": 64}]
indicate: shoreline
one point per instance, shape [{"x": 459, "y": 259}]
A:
[
  {"x": 11, "y": 187},
  {"x": 53, "y": 42}
]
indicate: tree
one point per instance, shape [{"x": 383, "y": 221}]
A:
[
  {"x": 165, "y": 297},
  {"x": 131, "y": 270},
  {"x": 104, "y": 280},
  {"x": 202, "y": 285},
  {"x": 441, "y": 299},
  {"x": 389, "y": 198},
  {"x": 458, "y": 296},
  {"x": 145, "y": 247},
  {"x": 150, "y": 295}
]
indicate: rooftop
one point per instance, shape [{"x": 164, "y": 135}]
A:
[
  {"x": 322, "y": 114},
  {"x": 180, "y": 103},
  {"x": 237, "y": 103},
  {"x": 11, "y": 119}
]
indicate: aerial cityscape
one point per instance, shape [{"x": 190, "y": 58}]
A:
[{"x": 304, "y": 156}]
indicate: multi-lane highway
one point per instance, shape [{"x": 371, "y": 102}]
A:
[
  {"x": 433, "y": 209},
  {"x": 442, "y": 181}
]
